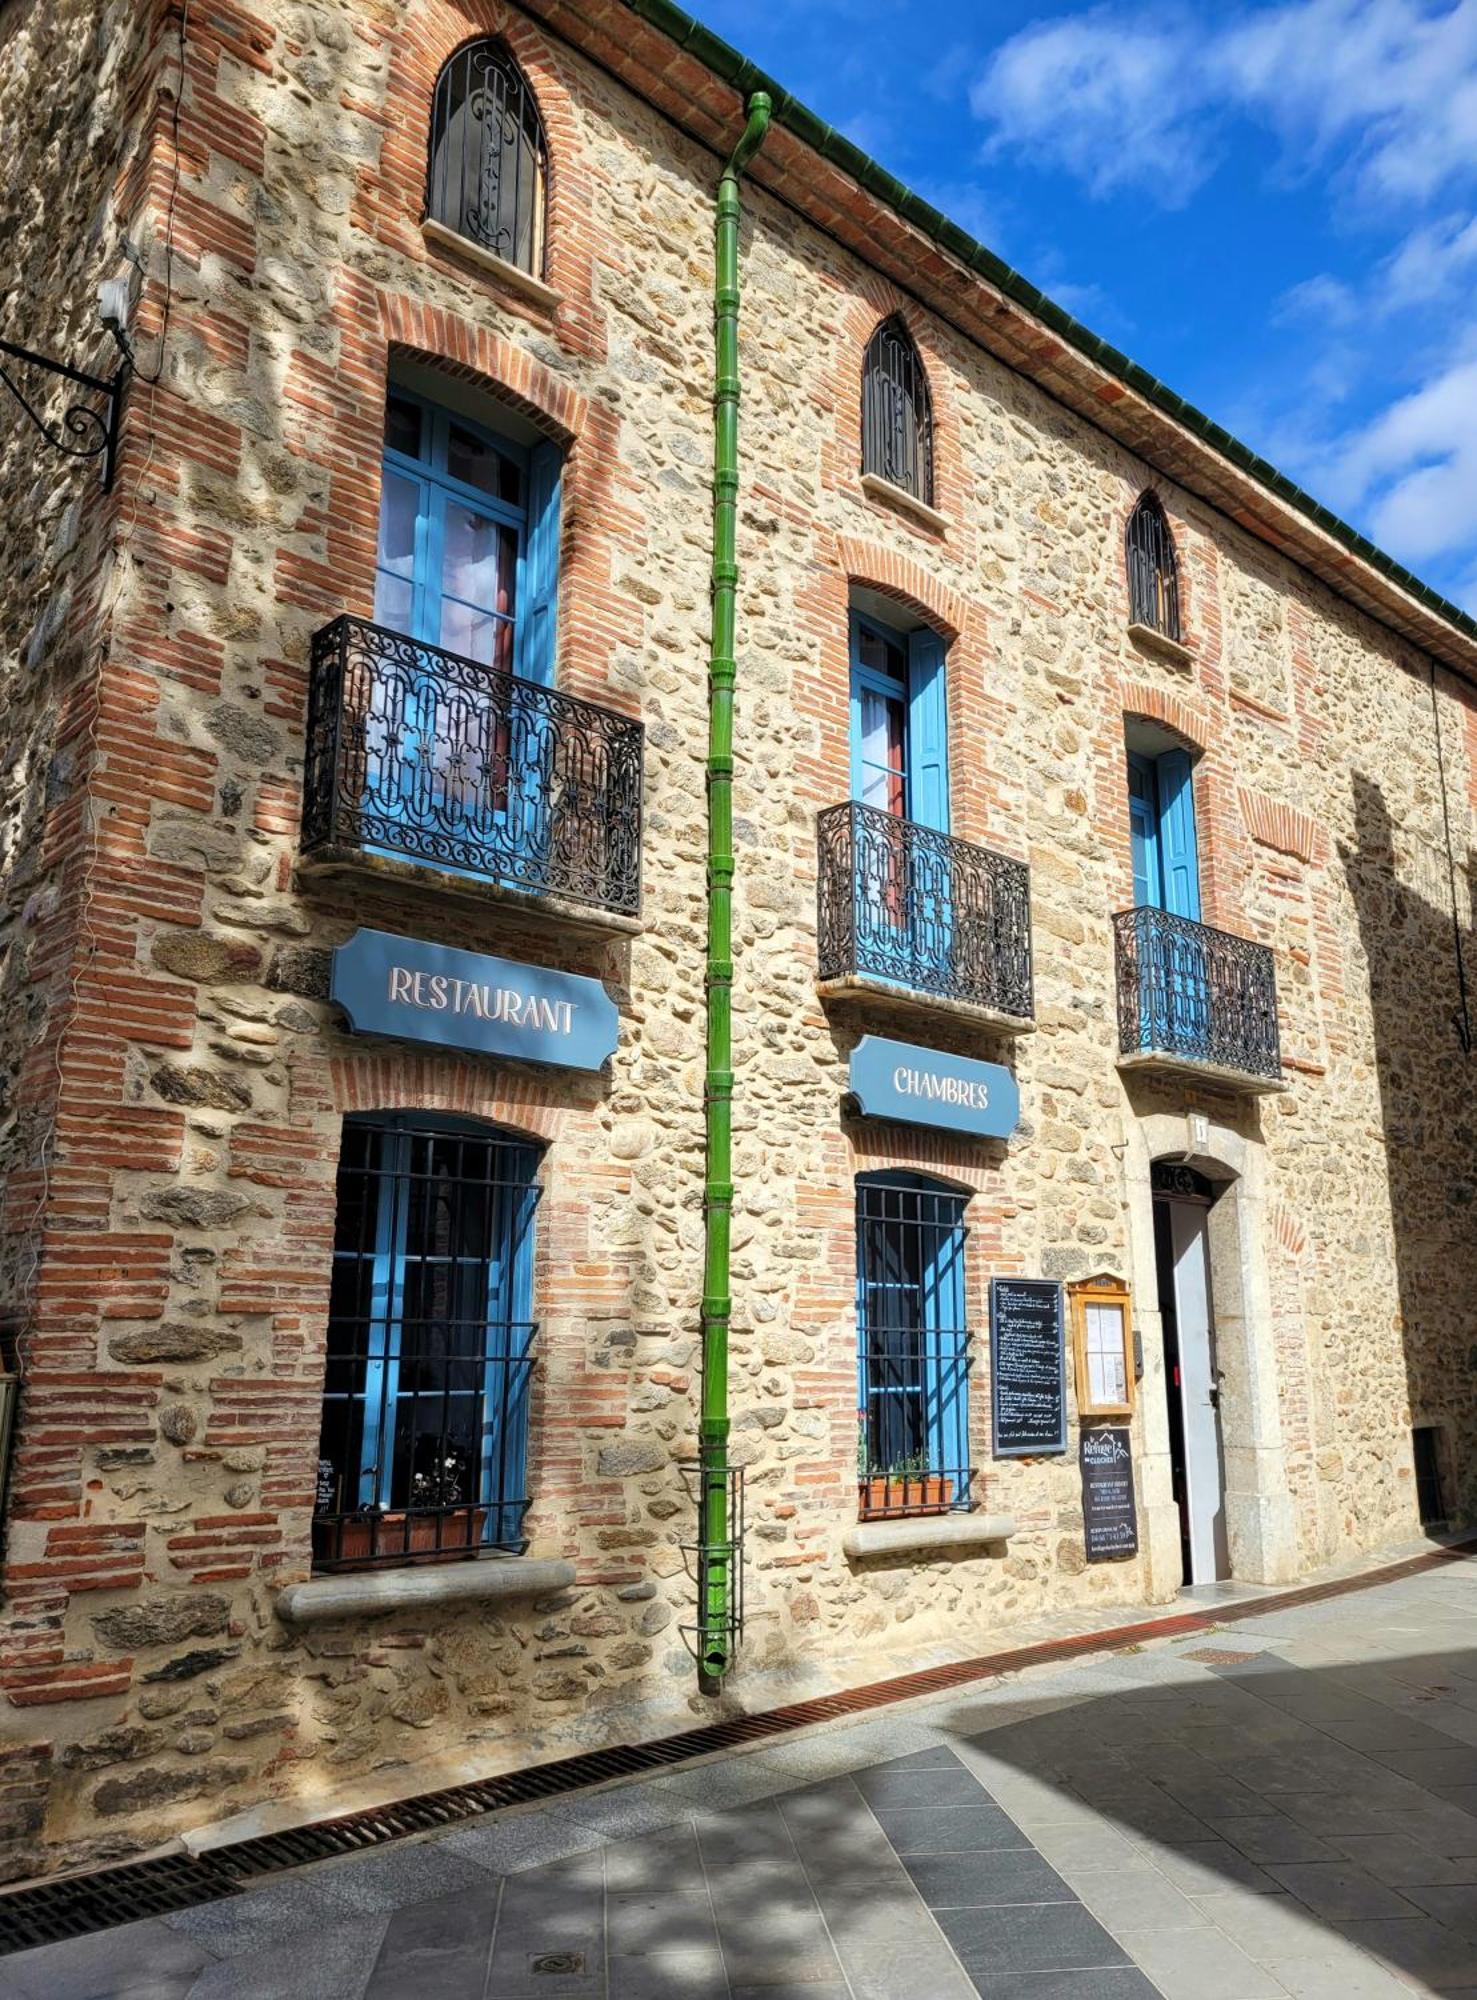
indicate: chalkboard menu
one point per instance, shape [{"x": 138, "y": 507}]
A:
[
  {"x": 1028, "y": 1377},
  {"x": 1110, "y": 1526}
]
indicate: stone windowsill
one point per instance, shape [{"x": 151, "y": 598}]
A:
[
  {"x": 369, "y": 1593},
  {"x": 511, "y": 276},
  {"x": 1155, "y": 1061},
  {"x": 887, "y": 495},
  {"x": 928, "y": 1534},
  {"x": 420, "y": 878},
  {"x": 883, "y": 997},
  {"x": 1150, "y": 640}
]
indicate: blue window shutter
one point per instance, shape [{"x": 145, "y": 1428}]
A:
[
  {"x": 928, "y": 731},
  {"x": 510, "y": 1332},
  {"x": 1178, "y": 858},
  {"x": 1143, "y": 832},
  {"x": 538, "y": 610},
  {"x": 947, "y": 1356},
  {"x": 854, "y": 655}
]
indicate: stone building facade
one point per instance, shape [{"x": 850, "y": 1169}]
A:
[{"x": 179, "y": 1080}]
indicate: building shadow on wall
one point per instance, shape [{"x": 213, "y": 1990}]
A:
[{"x": 1424, "y": 1078}]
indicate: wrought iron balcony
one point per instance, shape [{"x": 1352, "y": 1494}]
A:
[
  {"x": 1193, "y": 997},
  {"x": 915, "y": 909},
  {"x": 424, "y": 756}
]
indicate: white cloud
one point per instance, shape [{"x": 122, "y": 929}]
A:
[
  {"x": 1432, "y": 261},
  {"x": 1117, "y": 98},
  {"x": 1412, "y": 470},
  {"x": 1105, "y": 98}
]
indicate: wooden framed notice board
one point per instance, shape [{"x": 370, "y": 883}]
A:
[{"x": 1102, "y": 1346}]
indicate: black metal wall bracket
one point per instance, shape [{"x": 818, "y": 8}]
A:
[{"x": 85, "y": 430}]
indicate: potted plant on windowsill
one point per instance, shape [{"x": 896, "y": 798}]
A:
[{"x": 905, "y": 1486}]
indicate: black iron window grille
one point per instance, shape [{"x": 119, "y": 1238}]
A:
[
  {"x": 488, "y": 158},
  {"x": 1153, "y": 570},
  {"x": 1194, "y": 993},
  {"x": 423, "y": 1449},
  {"x": 425, "y": 755},
  {"x": 903, "y": 903},
  {"x": 913, "y": 1348},
  {"x": 897, "y": 413}
]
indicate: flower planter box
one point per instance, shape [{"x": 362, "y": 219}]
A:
[
  {"x": 907, "y": 1493},
  {"x": 412, "y": 1538}
]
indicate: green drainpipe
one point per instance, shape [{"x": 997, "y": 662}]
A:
[{"x": 716, "y": 1556}]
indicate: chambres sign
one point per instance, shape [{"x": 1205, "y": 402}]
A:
[
  {"x": 423, "y": 992},
  {"x": 918, "y": 1086}
]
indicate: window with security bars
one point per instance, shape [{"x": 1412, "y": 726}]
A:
[
  {"x": 488, "y": 168},
  {"x": 912, "y": 1347},
  {"x": 422, "y": 1454},
  {"x": 897, "y": 413},
  {"x": 1153, "y": 570}
]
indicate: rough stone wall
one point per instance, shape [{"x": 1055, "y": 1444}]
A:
[
  {"x": 164, "y": 1482},
  {"x": 73, "y": 147}
]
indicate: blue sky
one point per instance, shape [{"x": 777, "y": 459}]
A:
[{"x": 1273, "y": 207}]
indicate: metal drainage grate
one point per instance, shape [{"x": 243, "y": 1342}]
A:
[{"x": 46, "y": 1912}]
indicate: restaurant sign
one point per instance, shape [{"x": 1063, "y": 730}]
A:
[
  {"x": 423, "y": 992},
  {"x": 918, "y": 1086}
]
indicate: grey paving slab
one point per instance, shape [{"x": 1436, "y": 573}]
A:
[
  {"x": 1085, "y": 1850},
  {"x": 1042, "y": 1937},
  {"x": 937, "y": 1787},
  {"x": 686, "y": 1975},
  {"x": 640, "y": 1921},
  {"x": 1402, "y": 1861},
  {"x": 1270, "y": 1928},
  {"x": 1201, "y": 1965},
  {"x": 1419, "y": 1947},
  {"x": 1139, "y": 1899},
  {"x": 525, "y": 1840},
  {"x": 442, "y": 1946},
  {"x": 107, "y": 1962},
  {"x": 391, "y": 1877},
  {"x": 921, "y": 1830},
  {"x": 1211, "y": 1867},
  {"x": 1270, "y": 1837},
  {"x": 262, "y": 1917},
  {"x": 332, "y": 1962},
  {"x": 1340, "y": 1890},
  {"x": 1111, "y": 1983},
  {"x": 1347, "y": 1978},
  {"x": 669, "y": 1859},
  {"x": 986, "y": 1880}
]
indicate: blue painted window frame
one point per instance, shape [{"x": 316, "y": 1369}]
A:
[
  {"x": 1161, "y": 818},
  {"x": 937, "y": 1316},
  {"x": 508, "y": 1305},
  {"x": 536, "y": 523},
  {"x": 923, "y": 693}
]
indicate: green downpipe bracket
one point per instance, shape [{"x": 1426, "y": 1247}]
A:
[{"x": 716, "y": 1554}]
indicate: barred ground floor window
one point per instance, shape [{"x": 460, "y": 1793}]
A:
[
  {"x": 423, "y": 1449},
  {"x": 912, "y": 1346}
]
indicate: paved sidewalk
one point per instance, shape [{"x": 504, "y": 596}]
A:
[{"x": 1286, "y": 1807}]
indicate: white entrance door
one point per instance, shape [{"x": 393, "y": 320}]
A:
[{"x": 1204, "y": 1474}]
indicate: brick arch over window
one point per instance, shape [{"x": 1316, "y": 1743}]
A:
[
  {"x": 393, "y": 196},
  {"x": 907, "y": 582},
  {"x": 1183, "y": 718},
  {"x": 468, "y": 353},
  {"x": 398, "y": 1082},
  {"x": 866, "y": 308}
]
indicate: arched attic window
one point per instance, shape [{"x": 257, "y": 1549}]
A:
[
  {"x": 897, "y": 413},
  {"x": 1153, "y": 570},
  {"x": 489, "y": 163}
]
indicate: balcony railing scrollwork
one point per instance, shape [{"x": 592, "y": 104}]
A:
[
  {"x": 426, "y": 756},
  {"x": 1196, "y": 995},
  {"x": 906, "y": 905}
]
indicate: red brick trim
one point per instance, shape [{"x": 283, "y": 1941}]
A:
[
  {"x": 431, "y": 1083},
  {"x": 1281, "y": 827},
  {"x": 1153, "y": 704},
  {"x": 899, "y": 577}
]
